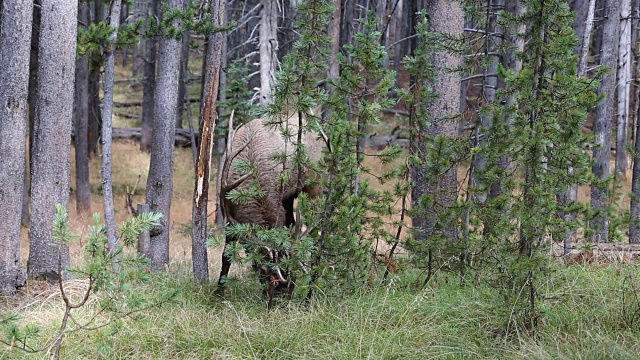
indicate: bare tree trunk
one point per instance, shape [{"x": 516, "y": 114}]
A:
[
  {"x": 446, "y": 17},
  {"x": 107, "y": 112},
  {"x": 220, "y": 128},
  {"x": 634, "y": 225},
  {"x": 184, "y": 61},
  {"x": 160, "y": 179},
  {"x": 83, "y": 188},
  {"x": 624, "y": 88},
  {"x": 488, "y": 91},
  {"x": 50, "y": 173},
  {"x": 208, "y": 119},
  {"x": 268, "y": 49},
  {"x": 602, "y": 126},
  {"x": 583, "y": 27},
  {"x": 15, "y": 42},
  {"x": 584, "y": 33},
  {"x": 334, "y": 33},
  {"x": 33, "y": 96},
  {"x": 397, "y": 49},
  {"x": 149, "y": 71},
  {"x": 95, "y": 113}
]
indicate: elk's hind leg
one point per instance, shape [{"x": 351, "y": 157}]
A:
[{"x": 226, "y": 263}]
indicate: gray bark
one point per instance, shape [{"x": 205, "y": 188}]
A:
[
  {"x": 95, "y": 112},
  {"x": 144, "y": 241},
  {"x": 488, "y": 93},
  {"x": 333, "y": 71},
  {"x": 634, "y": 226},
  {"x": 184, "y": 61},
  {"x": 208, "y": 119},
  {"x": 50, "y": 173},
  {"x": 149, "y": 73},
  {"x": 107, "y": 113},
  {"x": 583, "y": 27},
  {"x": 397, "y": 49},
  {"x": 15, "y": 40},
  {"x": 268, "y": 49},
  {"x": 602, "y": 125},
  {"x": 83, "y": 189},
  {"x": 446, "y": 17},
  {"x": 160, "y": 179},
  {"x": 33, "y": 95},
  {"x": 623, "y": 88}
]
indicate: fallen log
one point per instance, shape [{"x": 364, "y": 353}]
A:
[
  {"x": 182, "y": 139},
  {"x": 139, "y": 103}
]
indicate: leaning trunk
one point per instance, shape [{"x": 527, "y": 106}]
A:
[
  {"x": 160, "y": 179},
  {"x": 50, "y": 172},
  {"x": 15, "y": 40}
]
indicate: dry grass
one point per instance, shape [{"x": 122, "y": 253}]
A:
[{"x": 129, "y": 164}]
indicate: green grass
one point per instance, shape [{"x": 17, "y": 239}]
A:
[{"x": 582, "y": 319}]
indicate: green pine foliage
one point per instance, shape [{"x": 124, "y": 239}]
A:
[{"x": 114, "y": 293}]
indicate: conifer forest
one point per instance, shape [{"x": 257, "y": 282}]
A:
[{"x": 319, "y": 179}]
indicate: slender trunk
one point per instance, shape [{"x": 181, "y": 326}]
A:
[
  {"x": 488, "y": 93},
  {"x": 221, "y": 127},
  {"x": 585, "y": 35},
  {"x": 397, "y": 49},
  {"x": 208, "y": 116},
  {"x": 268, "y": 49},
  {"x": 83, "y": 189},
  {"x": 623, "y": 88},
  {"x": 95, "y": 113},
  {"x": 160, "y": 179},
  {"x": 634, "y": 225},
  {"x": 583, "y": 26},
  {"x": 15, "y": 40},
  {"x": 33, "y": 96},
  {"x": 184, "y": 61},
  {"x": 333, "y": 71},
  {"x": 602, "y": 126},
  {"x": 149, "y": 73},
  {"x": 50, "y": 173},
  {"x": 447, "y": 17},
  {"x": 107, "y": 112}
]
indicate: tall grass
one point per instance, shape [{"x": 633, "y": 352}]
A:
[{"x": 582, "y": 320}]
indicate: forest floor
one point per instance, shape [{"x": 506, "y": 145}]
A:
[{"x": 582, "y": 318}]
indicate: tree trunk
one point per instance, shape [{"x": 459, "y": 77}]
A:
[
  {"x": 184, "y": 61},
  {"x": 160, "y": 179},
  {"x": 149, "y": 73},
  {"x": 446, "y": 17},
  {"x": 634, "y": 225},
  {"x": 623, "y": 88},
  {"x": 107, "y": 112},
  {"x": 15, "y": 42},
  {"x": 602, "y": 125},
  {"x": 583, "y": 27},
  {"x": 488, "y": 92},
  {"x": 268, "y": 49},
  {"x": 333, "y": 71},
  {"x": 208, "y": 119},
  {"x": 95, "y": 113},
  {"x": 50, "y": 173},
  {"x": 397, "y": 49},
  {"x": 83, "y": 188}
]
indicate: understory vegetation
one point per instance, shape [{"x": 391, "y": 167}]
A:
[{"x": 584, "y": 318}]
